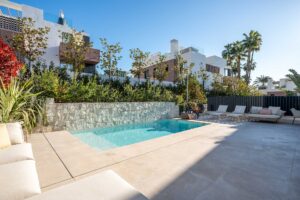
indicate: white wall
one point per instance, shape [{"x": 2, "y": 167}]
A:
[
  {"x": 54, "y": 39},
  {"x": 287, "y": 84}
]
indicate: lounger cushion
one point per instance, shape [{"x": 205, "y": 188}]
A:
[
  {"x": 234, "y": 115},
  {"x": 296, "y": 113},
  {"x": 106, "y": 185},
  {"x": 216, "y": 113},
  {"x": 255, "y": 109},
  {"x": 265, "y": 111},
  {"x": 16, "y": 153},
  {"x": 4, "y": 137},
  {"x": 222, "y": 108},
  {"x": 264, "y": 116},
  {"x": 239, "y": 109},
  {"x": 275, "y": 110},
  {"x": 19, "y": 180},
  {"x": 272, "y": 118},
  {"x": 15, "y": 133}
]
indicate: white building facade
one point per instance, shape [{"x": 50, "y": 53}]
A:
[
  {"x": 211, "y": 64},
  {"x": 9, "y": 12},
  {"x": 279, "y": 88}
]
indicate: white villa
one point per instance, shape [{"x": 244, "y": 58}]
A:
[
  {"x": 212, "y": 64},
  {"x": 278, "y": 88}
]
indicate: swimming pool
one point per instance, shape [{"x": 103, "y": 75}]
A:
[{"x": 117, "y": 136}]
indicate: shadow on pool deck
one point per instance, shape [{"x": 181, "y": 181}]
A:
[
  {"x": 257, "y": 161},
  {"x": 217, "y": 161}
]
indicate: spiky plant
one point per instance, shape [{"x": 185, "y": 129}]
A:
[{"x": 18, "y": 103}]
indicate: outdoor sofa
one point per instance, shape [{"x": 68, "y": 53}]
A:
[
  {"x": 271, "y": 114},
  {"x": 19, "y": 178}
]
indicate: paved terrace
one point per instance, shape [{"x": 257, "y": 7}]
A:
[{"x": 217, "y": 161}]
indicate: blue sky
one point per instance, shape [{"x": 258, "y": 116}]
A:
[{"x": 205, "y": 24}]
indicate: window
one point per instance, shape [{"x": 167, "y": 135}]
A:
[
  {"x": 212, "y": 69},
  {"x": 227, "y": 72},
  {"x": 154, "y": 70},
  {"x": 146, "y": 74}
]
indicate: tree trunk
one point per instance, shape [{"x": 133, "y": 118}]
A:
[
  {"x": 248, "y": 68},
  {"x": 238, "y": 64}
]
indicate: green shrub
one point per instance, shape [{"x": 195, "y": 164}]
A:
[{"x": 19, "y": 103}]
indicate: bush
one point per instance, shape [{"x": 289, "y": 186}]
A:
[
  {"x": 92, "y": 89},
  {"x": 19, "y": 103},
  {"x": 232, "y": 86}
]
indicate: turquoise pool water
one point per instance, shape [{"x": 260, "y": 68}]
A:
[{"x": 117, "y": 136}]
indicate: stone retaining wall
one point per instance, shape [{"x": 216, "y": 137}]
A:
[{"x": 77, "y": 116}]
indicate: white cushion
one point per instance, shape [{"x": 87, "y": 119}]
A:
[
  {"x": 255, "y": 109},
  {"x": 15, "y": 153},
  {"x": 4, "y": 137},
  {"x": 222, "y": 108},
  {"x": 239, "y": 109},
  {"x": 106, "y": 185},
  {"x": 216, "y": 113},
  {"x": 259, "y": 116},
  {"x": 296, "y": 113},
  {"x": 15, "y": 132},
  {"x": 234, "y": 115},
  {"x": 19, "y": 180},
  {"x": 275, "y": 110}
]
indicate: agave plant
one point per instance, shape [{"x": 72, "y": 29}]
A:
[{"x": 18, "y": 103}]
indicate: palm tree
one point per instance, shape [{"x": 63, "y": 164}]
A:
[
  {"x": 251, "y": 43},
  {"x": 234, "y": 53},
  {"x": 261, "y": 81},
  {"x": 295, "y": 77},
  {"x": 227, "y": 54},
  {"x": 238, "y": 53}
]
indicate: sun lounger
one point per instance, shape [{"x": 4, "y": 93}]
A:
[
  {"x": 238, "y": 112},
  {"x": 296, "y": 114},
  {"x": 271, "y": 114},
  {"x": 221, "y": 111}
]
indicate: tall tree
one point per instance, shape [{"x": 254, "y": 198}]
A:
[
  {"x": 109, "y": 56},
  {"x": 139, "y": 63},
  {"x": 188, "y": 74},
  {"x": 202, "y": 73},
  {"x": 161, "y": 72},
  {"x": 252, "y": 43},
  {"x": 295, "y": 77},
  {"x": 75, "y": 49},
  {"x": 261, "y": 81},
  {"x": 31, "y": 42},
  {"x": 180, "y": 64},
  {"x": 228, "y": 55},
  {"x": 238, "y": 52}
]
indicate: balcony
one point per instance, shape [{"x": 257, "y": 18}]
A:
[{"x": 92, "y": 55}]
